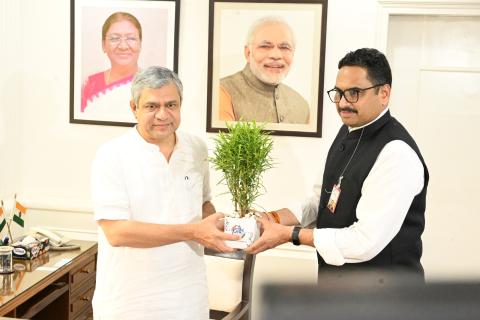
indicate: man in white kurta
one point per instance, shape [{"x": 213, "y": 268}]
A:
[{"x": 150, "y": 187}]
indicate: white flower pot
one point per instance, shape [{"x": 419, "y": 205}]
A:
[{"x": 246, "y": 227}]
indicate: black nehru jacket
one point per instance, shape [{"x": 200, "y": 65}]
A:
[{"x": 405, "y": 250}]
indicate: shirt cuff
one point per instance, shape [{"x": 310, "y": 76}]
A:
[
  {"x": 296, "y": 209},
  {"x": 324, "y": 241}
]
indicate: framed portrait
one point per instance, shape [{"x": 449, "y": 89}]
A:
[
  {"x": 110, "y": 41},
  {"x": 266, "y": 64}
]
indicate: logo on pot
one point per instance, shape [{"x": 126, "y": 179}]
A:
[{"x": 237, "y": 229}]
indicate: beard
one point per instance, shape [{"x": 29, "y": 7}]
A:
[{"x": 273, "y": 79}]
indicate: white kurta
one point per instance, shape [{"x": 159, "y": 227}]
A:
[{"x": 131, "y": 180}]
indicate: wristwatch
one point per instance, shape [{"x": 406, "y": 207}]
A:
[{"x": 295, "y": 238}]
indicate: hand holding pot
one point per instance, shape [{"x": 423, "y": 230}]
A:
[
  {"x": 209, "y": 233},
  {"x": 274, "y": 234}
]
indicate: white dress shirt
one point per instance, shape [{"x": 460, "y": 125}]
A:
[{"x": 387, "y": 193}]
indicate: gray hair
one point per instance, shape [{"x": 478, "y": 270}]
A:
[
  {"x": 267, "y": 20},
  {"x": 153, "y": 78}
]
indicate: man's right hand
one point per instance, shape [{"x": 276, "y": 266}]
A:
[
  {"x": 273, "y": 234},
  {"x": 207, "y": 233}
]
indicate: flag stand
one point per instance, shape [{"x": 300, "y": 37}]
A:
[{"x": 14, "y": 213}]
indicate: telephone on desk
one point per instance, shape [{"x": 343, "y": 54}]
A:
[{"x": 57, "y": 241}]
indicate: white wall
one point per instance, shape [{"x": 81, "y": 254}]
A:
[
  {"x": 46, "y": 160},
  {"x": 10, "y": 88}
]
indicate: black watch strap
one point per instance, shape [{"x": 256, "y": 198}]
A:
[{"x": 295, "y": 234}]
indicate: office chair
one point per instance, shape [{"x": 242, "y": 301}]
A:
[{"x": 230, "y": 277}]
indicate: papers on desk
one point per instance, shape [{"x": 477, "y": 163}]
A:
[
  {"x": 48, "y": 269},
  {"x": 57, "y": 265}
]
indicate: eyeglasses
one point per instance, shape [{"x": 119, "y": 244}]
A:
[
  {"x": 115, "y": 40},
  {"x": 351, "y": 95}
]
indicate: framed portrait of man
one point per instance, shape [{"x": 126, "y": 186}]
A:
[
  {"x": 110, "y": 42},
  {"x": 266, "y": 64}
]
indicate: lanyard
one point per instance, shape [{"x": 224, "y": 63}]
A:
[
  {"x": 349, "y": 160},
  {"x": 336, "y": 189}
]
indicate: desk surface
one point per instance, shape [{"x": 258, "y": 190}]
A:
[{"x": 29, "y": 273}]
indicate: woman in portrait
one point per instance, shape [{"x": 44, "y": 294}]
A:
[{"x": 105, "y": 95}]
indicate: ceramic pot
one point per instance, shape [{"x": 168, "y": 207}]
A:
[{"x": 246, "y": 227}]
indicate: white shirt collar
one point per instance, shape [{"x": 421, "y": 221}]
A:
[
  {"x": 178, "y": 140},
  {"x": 350, "y": 129}
]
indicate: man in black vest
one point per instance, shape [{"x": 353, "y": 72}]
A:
[{"x": 369, "y": 211}]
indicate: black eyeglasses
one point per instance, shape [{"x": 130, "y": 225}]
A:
[{"x": 351, "y": 95}]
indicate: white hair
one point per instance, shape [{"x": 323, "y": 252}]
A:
[
  {"x": 267, "y": 20},
  {"x": 153, "y": 78}
]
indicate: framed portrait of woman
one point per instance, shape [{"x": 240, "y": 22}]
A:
[
  {"x": 266, "y": 64},
  {"x": 110, "y": 42}
]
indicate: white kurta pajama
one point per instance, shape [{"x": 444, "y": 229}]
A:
[{"x": 131, "y": 180}]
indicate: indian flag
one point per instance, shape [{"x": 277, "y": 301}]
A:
[
  {"x": 4, "y": 221},
  {"x": 18, "y": 218}
]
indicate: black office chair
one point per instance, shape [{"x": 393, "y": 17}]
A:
[{"x": 230, "y": 277}]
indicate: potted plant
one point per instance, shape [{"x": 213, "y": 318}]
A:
[{"x": 242, "y": 154}]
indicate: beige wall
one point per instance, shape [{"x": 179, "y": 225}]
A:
[{"x": 46, "y": 160}]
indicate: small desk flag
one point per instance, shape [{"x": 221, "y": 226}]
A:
[
  {"x": 18, "y": 218},
  {"x": 4, "y": 221}
]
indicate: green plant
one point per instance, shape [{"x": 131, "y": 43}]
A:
[{"x": 243, "y": 155}]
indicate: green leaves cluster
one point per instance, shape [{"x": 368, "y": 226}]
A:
[{"x": 243, "y": 155}]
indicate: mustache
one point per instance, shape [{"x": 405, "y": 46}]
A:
[{"x": 347, "y": 109}]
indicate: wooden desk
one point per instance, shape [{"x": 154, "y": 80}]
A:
[{"x": 57, "y": 285}]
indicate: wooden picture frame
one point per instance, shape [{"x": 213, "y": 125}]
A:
[
  {"x": 231, "y": 94},
  {"x": 96, "y": 55}
]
